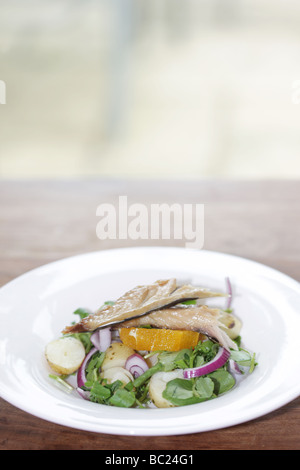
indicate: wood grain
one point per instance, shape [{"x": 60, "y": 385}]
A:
[{"x": 43, "y": 221}]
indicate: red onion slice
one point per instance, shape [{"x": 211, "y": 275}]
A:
[
  {"x": 220, "y": 359},
  {"x": 136, "y": 365},
  {"x": 234, "y": 367},
  {"x": 101, "y": 339},
  {"x": 81, "y": 378},
  {"x": 85, "y": 394}
]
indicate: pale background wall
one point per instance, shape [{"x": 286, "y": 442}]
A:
[{"x": 159, "y": 88}]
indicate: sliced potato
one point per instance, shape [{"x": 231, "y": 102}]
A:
[
  {"x": 157, "y": 385},
  {"x": 65, "y": 354},
  {"x": 232, "y": 325},
  {"x": 116, "y": 356},
  {"x": 117, "y": 373},
  {"x": 152, "y": 360}
]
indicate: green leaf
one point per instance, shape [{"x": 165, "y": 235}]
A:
[
  {"x": 82, "y": 312},
  {"x": 208, "y": 349},
  {"x": 204, "y": 387},
  {"x": 99, "y": 393},
  {"x": 223, "y": 381},
  {"x": 85, "y": 339},
  {"x": 242, "y": 357},
  {"x": 92, "y": 370},
  {"x": 115, "y": 385},
  {"x": 182, "y": 359},
  {"x": 180, "y": 392},
  {"x": 167, "y": 359},
  {"x": 198, "y": 361},
  {"x": 122, "y": 398}
]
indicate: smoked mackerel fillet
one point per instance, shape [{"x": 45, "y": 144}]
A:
[{"x": 139, "y": 301}]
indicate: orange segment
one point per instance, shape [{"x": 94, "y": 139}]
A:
[{"x": 152, "y": 339}]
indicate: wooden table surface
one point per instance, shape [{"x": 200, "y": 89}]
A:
[{"x": 43, "y": 221}]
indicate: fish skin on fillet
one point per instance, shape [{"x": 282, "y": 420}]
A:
[
  {"x": 196, "y": 318},
  {"x": 139, "y": 301}
]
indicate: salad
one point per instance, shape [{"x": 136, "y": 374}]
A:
[{"x": 157, "y": 346}]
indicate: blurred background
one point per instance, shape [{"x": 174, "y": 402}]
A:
[{"x": 150, "y": 88}]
